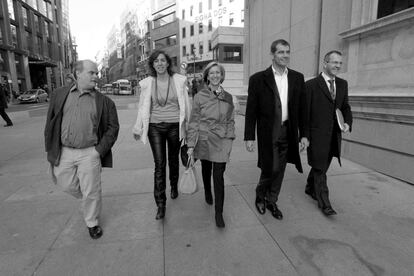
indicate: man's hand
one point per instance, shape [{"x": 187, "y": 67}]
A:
[
  {"x": 346, "y": 127},
  {"x": 250, "y": 146},
  {"x": 303, "y": 144}
]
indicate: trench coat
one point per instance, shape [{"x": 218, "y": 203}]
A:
[
  {"x": 211, "y": 127},
  {"x": 320, "y": 121}
]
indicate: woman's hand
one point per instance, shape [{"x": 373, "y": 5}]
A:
[
  {"x": 137, "y": 136},
  {"x": 190, "y": 151}
]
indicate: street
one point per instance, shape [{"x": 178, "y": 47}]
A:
[{"x": 43, "y": 233}]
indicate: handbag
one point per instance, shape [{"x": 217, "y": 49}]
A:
[
  {"x": 189, "y": 180},
  {"x": 184, "y": 154}
]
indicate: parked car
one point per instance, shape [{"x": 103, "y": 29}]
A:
[{"x": 33, "y": 96}]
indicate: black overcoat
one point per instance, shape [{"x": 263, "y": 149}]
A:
[
  {"x": 108, "y": 126},
  {"x": 320, "y": 122},
  {"x": 264, "y": 107}
]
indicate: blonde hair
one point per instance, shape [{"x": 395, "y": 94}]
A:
[{"x": 211, "y": 65}]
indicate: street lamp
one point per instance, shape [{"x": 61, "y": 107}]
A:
[{"x": 193, "y": 57}]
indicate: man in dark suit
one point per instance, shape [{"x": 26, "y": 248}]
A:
[
  {"x": 3, "y": 106},
  {"x": 273, "y": 104},
  {"x": 325, "y": 94},
  {"x": 81, "y": 128}
]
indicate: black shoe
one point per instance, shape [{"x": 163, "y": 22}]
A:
[
  {"x": 95, "y": 232},
  {"x": 260, "y": 205},
  {"x": 160, "y": 213},
  {"x": 276, "y": 213},
  {"x": 8, "y": 125},
  {"x": 220, "y": 221},
  {"x": 174, "y": 192},
  {"x": 328, "y": 211},
  {"x": 209, "y": 198},
  {"x": 310, "y": 193}
]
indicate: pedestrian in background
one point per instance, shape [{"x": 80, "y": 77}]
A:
[
  {"x": 3, "y": 106},
  {"x": 274, "y": 106},
  {"x": 211, "y": 134},
  {"x": 81, "y": 128},
  {"x": 162, "y": 118},
  {"x": 325, "y": 94}
]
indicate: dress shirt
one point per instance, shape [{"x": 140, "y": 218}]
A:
[
  {"x": 327, "y": 79},
  {"x": 282, "y": 87},
  {"x": 79, "y": 121}
]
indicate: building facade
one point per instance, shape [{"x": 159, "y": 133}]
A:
[
  {"x": 35, "y": 44},
  {"x": 377, "y": 40},
  {"x": 198, "y": 21}
]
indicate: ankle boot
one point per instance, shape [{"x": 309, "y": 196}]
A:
[
  {"x": 160, "y": 213},
  {"x": 219, "y": 220},
  {"x": 209, "y": 197},
  {"x": 174, "y": 192}
]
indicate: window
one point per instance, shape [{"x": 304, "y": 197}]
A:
[
  {"x": 1, "y": 37},
  {"x": 200, "y": 7},
  {"x": 183, "y": 30},
  {"x": 24, "y": 14},
  {"x": 387, "y": 7},
  {"x": 209, "y": 4},
  {"x": 36, "y": 24},
  {"x": 46, "y": 29},
  {"x": 184, "y": 51},
  {"x": 42, "y": 7},
  {"x": 232, "y": 54},
  {"x": 165, "y": 42},
  {"x": 10, "y": 6},
  {"x": 29, "y": 41},
  {"x": 191, "y": 10},
  {"x": 200, "y": 27},
  {"x": 200, "y": 47},
  {"x": 164, "y": 20},
  {"x": 231, "y": 1},
  {"x": 192, "y": 49},
  {"x": 19, "y": 64},
  {"x": 14, "y": 35},
  {"x": 49, "y": 11},
  {"x": 231, "y": 19},
  {"x": 191, "y": 30},
  {"x": 220, "y": 20},
  {"x": 210, "y": 25},
  {"x": 209, "y": 46},
  {"x": 220, "y": 2},
  {"x": 183, "y": 14},
  {"x": 39, "y": 45},
  {"x": 242, "y": 16}
]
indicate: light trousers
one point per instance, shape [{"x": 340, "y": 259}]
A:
[{"x": 79, "y": 174}]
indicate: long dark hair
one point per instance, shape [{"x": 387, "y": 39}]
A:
[{"x": 153, "y": 57}]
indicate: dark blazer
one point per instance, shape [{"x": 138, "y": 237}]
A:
[
  {"x": 108, "y": 126},
  {"x": 3, "y": 100},
  {"x": 320, "y": 121},
  {"x": 264, "y": 107}
]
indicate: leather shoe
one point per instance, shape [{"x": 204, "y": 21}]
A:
[
  {"x": 174, "y": 192},
  {"x": 328, "y": 211},
  {"x": 276, "y": 213},
  {"x": 95, "y": 232},
  {"x": 310, "y": 193},
  {"x": 8, "y": 125},
  {"x": 260, "y": 205},
  {"x": 160, "y": 213},
  {"x": 220, "y": 221}
]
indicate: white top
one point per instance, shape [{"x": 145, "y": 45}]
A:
[{"x": 282, "y": 87}]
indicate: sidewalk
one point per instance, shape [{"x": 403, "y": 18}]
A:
[{"x": 43, "y": 233}]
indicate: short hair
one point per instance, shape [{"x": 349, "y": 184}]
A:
[
  {"x": 328, "y": 55},
  {"x": 153, "y": 57},
  {"x": 79, "y": 66},
  {"x": 207, "y": 70},
  {"x": 277, "y": 42}
]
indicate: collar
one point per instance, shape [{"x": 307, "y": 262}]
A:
[
  {"x": 327, "y": 78},
  {"x": 277, "y": 73},
  {"x": 82, "y": 92}
]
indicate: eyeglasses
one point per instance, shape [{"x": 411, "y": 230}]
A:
[{"x": 335, "y": 62}]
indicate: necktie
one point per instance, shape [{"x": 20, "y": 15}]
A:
[{"x": 332, "y": 88}]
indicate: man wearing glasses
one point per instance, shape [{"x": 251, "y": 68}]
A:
[{"x": 328, "y": 114}]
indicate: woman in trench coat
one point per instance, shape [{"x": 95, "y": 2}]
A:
[{"x": 210, "y": 134}]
